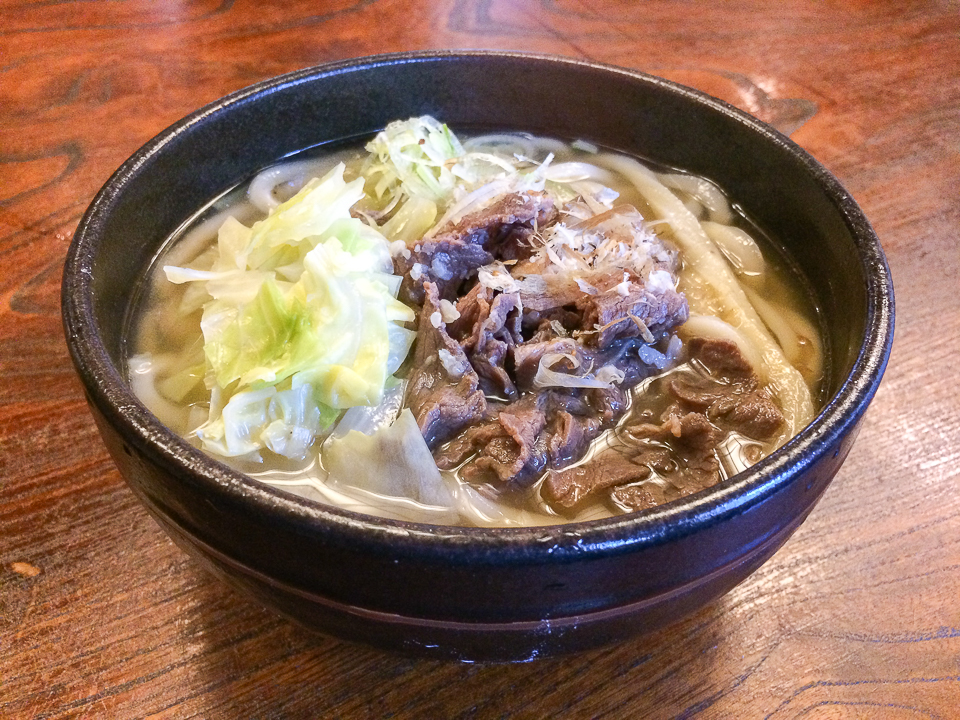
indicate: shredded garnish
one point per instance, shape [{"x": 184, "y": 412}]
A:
[{"x": 547, "y": 377}]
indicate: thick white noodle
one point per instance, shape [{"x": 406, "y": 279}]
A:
[
  {"x": 543, "y": 146},
  {"x": 516, "y": 144},
  {"x": 569, "y": 172},
  {"x": 143, "y": 378},
  {"x": 199, "y": 238},
  {"x": 704, "y": 191},
  {"x": 294, "y": 174},
  {"x": 785, "y": 381},
  {"x": 737, "y": 246},
  {"x": 797, "y": 336},
  {"x": 359, "y": 500},
  {"x": 505, "y": 143}
]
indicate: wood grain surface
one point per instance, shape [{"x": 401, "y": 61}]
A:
[{"x": 858, "y": 616}]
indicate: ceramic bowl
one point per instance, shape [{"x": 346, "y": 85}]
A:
[{"x": 471, "y": 593}]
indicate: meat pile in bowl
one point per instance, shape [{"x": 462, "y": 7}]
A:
[{"x": 503, "y": 321}]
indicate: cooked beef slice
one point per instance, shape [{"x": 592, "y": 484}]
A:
[
  {"x": 471, "y": 309},
  {"x": 466, "y": 444},
  {"x": 522, "y": 440},
  {"x": 453, "y": 254},
  {"x": 547, "y": 293},
  {"x": 628, "y": 316},
  {"x": 731, "y": 395},
  {"x": 681, "y": 449},
  {"x": 568, "y": 437},
  {"x": 542, "y": 325},
  {"x": 621, "y": 354},
  {"x": 720, "y": 357},
  {"x": 608, "y": 403},
  {"x": 504, "y": 335},
  {"x": 487, "y": 329},
  {"x": 445, "y": 397},
  {"x": 691, "y": 431},
  {"x": 564, "y": 421},
  {"x": 642, "y": 495},
  {"x": 681, "y": 445},
  {"x": 635, "y": 496},
  {"x": 444, "y": 261},
  {"x": 567, "y": 488},
  {"x": 503, "y": 447}
]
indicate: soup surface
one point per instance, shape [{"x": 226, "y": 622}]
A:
[{"x": 501, "y": 330}]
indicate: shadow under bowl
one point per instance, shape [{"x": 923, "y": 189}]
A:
[{"x": 473, "y": 593}]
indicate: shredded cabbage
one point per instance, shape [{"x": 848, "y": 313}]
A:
[
  {"x": 415, "y": 156},
  {"x": 302, "y": 321}
]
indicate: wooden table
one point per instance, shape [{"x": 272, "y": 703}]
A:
[{"x": 857, "y": 616}]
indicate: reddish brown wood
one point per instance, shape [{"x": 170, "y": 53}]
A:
[{"x": 857, "y": 616}]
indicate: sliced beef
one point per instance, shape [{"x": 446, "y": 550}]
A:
[
  {"x": 611, "y": 403},
  {"x": 524, "y": 438},
  {"x": 731, "y": 395},
  {"x": 568, "y": 436},
  {"x": 543, "y": 325},
  {"x": 608, "y": 403},
  {"x": 471, "y": 309},
  {"x": 444, "y": 390},
  {"x": 487, "y": 329},
  {"x": 571, "y": 401},
  {"x": 444, "y": 261},
  {"x": 720, "y": 357},
  {"x": 568, "y": 488},
  {"x": 755, "y": 415},
  {"x": 621, "y": 354},
  {"x": 683, "y": 474},
  {"x": 454, "y": 253},
  {"x": 544, "y": 293},
  {"x": 502, "y": 447},
  {"x": 691, "y": 431},
  {"x": 681, "y": 449},
  {"x": 642, "y": 496},
  {"x": 636, "y": 314},
  {"x": 742, "y": 406},
  {"x": 512, "y": 454},
  {"x": 635, "y": 496},
  {"x": 691, "y": 437},
  {"x": 707, "y": 408},
  {"x": 466, "y": 444},
  {"x": 471, "y": 387},
  {"x": 545, "y": 428}
]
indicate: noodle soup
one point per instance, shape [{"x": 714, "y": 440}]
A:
[{"x": 504, "y": 330}]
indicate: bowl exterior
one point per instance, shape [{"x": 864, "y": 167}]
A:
[{"x": 469, "y": 593}]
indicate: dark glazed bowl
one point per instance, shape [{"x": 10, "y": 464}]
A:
[{"x": 469, "y": 593}]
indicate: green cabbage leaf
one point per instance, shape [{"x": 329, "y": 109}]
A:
[{"x": 301, "y": 322}]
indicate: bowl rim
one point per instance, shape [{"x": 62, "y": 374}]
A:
[{"x": 109, "y": 392}]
